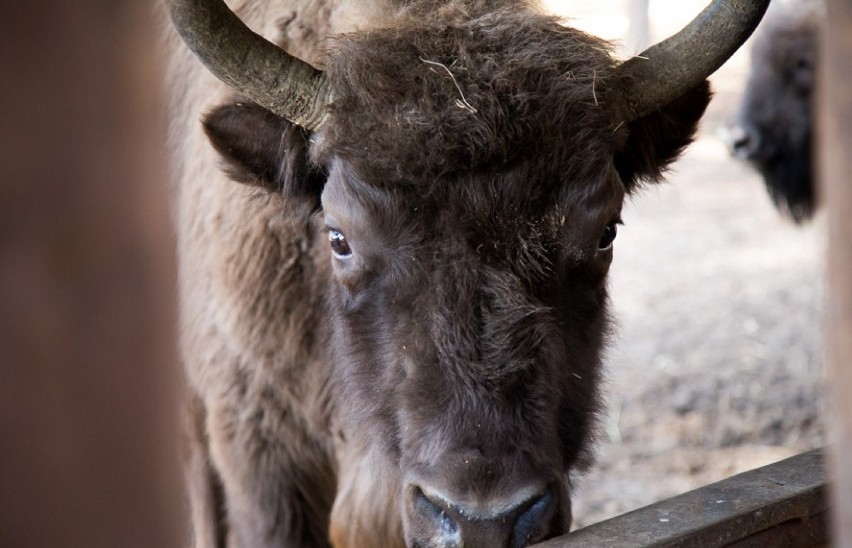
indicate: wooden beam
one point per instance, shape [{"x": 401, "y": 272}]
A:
[
  {"x": 87, "y": 359},
  {"x": 834, "y": 140},
  {"x": 783, "y": 504}
]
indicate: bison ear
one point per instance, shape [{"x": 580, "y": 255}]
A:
[
  {"x": 656, "y": 140},
  {"x": 264, "y": 150}
]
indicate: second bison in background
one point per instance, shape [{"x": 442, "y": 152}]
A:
[{"x": 774, "y": 122}]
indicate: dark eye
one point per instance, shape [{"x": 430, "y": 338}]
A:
[
  {"x": 339, "y": 245},
  {"x": 608, "y": 236}
]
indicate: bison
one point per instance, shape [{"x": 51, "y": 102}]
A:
[
  {"x": 774, "y": 124},
  {"x": 392, "y": 336}
]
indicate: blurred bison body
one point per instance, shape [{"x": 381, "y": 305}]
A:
[
  {"x": 774, "y": 124},
  {"x": 395, "y": 338}
]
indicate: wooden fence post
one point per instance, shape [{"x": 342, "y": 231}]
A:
[
  {"x": 87, "y": 360},
  {"x": 835, "y": 148}
]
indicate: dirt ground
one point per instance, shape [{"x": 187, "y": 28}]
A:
[{"x": 717, "y": 363}]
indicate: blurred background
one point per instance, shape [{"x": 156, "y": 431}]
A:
[
  {"x": 716, "y": 367},
  {"x": 88, "y": 450}
]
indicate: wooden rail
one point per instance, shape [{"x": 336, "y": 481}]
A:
[
  {"x": 834, "y": 141},
  {"x": 783, "y": 504}
]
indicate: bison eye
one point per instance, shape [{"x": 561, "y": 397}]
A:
[
  {"x": 608, "y": 235},
  {"x": 339, "y": 245}
]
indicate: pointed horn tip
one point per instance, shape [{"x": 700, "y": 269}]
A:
[{"x": 655, "y": 77}]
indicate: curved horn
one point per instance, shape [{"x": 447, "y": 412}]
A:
[
  {"x": 248, "y": 62},
  {"x": 667, "y": 70}
]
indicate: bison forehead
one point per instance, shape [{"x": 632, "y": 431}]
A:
[
  {"x": 515, "y": 221},
  {"x": 431, "y": 98}
]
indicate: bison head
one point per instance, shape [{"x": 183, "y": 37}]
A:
[
  {"x": 774, "y": 123},
  {"x": 469, "y": 174}
]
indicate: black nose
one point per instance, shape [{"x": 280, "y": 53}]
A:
[
  {"x": 744, "y": 141},
  {"x": 502, "y": 523}
]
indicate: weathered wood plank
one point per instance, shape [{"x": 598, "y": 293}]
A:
[
  {"x": 788, "y": 494},
  {"x": 87, "y": 357},
  {"x": 834, "y": 139},
  {"x": 810, "y": 532}
]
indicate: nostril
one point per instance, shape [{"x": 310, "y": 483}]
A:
[
  {"x": 436, "y": 515},
  {"x": 743, "y": 142},
  {"x": 534, "y": 521},
  {"x": 515, "y": 521}
]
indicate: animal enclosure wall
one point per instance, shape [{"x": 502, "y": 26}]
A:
[
  {"x": 86, "y": 299},
  {"x": 835, "y": 142}
]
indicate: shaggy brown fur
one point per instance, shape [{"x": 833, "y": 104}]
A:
[{"x": 450, "y": 364}]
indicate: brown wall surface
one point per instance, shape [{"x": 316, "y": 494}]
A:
[
  {"x": 835, "y": 146},
  {"x": 87, "y": 359}
]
